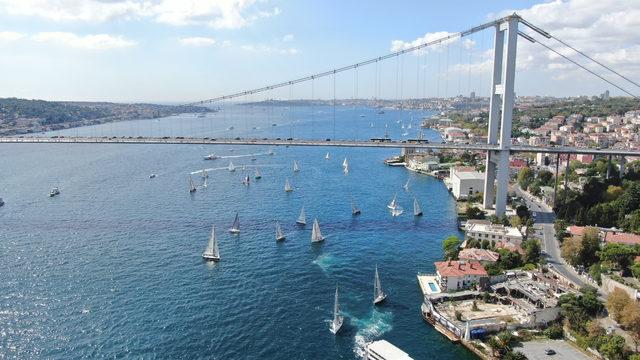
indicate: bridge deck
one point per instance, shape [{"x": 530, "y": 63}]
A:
[{"x": 303, "y": 142}]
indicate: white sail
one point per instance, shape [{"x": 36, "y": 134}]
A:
[
  {"x": 417, "y": 211},
  {"x": 316, "y": 235},
  {"x": 397, "y": 211},
  {"x": 279, "y": 234},
  {"x": 246, "y": 180},
  {"x": 406, "y": 185},
  {"x": 204, "y": 184},
  {"x": 192, "y": 186},
  {"x": 296, "y": 168},
  {"x": 212, "y": 252},
  {"x": 287, "y": 186},
  {"x": 345, "y": 163},
  {"x": 235, "y": 228},
  {"x": 205, "y": 174},
  {"x": 302, "y": 219},
  {"x": 354, "y": 209},
  {"x": 327, "y": 157},
  {"x": 338, "y": 319},
  {"x": 231, "y": 166},
  {"x": 393, "y": 204},
  {"x": 378, "y": 294}
]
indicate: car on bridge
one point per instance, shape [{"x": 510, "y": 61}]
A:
[
  {"x": 380, "y": 140},
  {"x": 418, "y": 141}
]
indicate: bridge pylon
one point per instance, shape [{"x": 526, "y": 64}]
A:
[{"x": 501, "y": 114}]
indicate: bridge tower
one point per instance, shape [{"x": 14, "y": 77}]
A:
[{"x": 501, "y": 114}]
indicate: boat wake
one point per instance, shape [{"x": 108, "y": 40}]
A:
[
  {"x": 243, "y": 156},
  {"x": 325, "y": 262},
  {"x": 369, "y": 329}
]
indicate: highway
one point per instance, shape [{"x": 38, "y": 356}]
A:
[
  {"x": 550, "y": 245},
  {"x": 304, "y": 142}
]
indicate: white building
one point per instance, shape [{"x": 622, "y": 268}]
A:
[
  {"x": 493, "y": 232},
  {"x": 459, "y": 275},
  {"x": 466, "y": 182}
]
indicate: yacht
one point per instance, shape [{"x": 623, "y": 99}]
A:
[
  {"x": 302, "y": 218},
  {"x": 152, "y": 176},
  {"x": 231, "y": 166},
  {"x": 354, "y": 209},
  {"x": 279, "y": 234},
  {"x": 338, "y": 319},
  {"x": 417, "y": 210},
  {"x": 393, "y": 204},
  {"x": 235, "y": 228},
  {"x": 192, "y": 185},
  {"x": 211, "y": 157},
  {"x": 316, "y": 235},
  {"x": 378, "y": 294},
  {"x": 287, "y": 186},
  {"x": 211, "y": 253},
  {"x": 55, "y": 191}
]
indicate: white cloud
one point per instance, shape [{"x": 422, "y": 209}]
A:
[
  {"x": 197, "y": 41},
  {"x": 398, "y": 45},
  {"x": 10, "y": 36},
  {"x": 287, "y": 38},
  {"x": 87, "y": 42},
  {"x": 269, "y": 49},
  {"x": 219, "y": 14}
]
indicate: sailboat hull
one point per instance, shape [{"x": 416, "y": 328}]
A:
[
  {"x": 281, "y": 238},
  {"x": 355, "y": 212},
  {"x": 301, "y": 222},
  {"x": 234, "y": 231},
  {"x": 336, "y": 326},
  {"x": 418, "y": 214},
  {"x": 379, "y": 299},
  {"x": 209, "y": 257}
]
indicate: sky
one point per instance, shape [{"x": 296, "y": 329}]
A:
[{"x": 189, "y": 50}]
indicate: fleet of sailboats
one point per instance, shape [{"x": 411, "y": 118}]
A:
[
  {"x": 302, "y": 218},
  {"x": 235, "y": 228},
  {"x": 192, "y": 186},
  {"x": 287, "y": 186},
  {"x": 378, "y": 294},
  {"x": 338, "y": 319},
  {"x": 211, "y": 252},
  {"x": 279, "y": 234},
  {"x": 316, "y": 235}
]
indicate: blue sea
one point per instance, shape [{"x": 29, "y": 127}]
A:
[{"x": 112, "y": 267}]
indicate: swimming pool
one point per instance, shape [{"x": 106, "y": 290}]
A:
[{"x": 434, "y": 288}]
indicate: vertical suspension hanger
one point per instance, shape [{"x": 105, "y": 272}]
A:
[
  {"x": 353, "y": 102},
  {"x": 334, "y": 105},
  {"x": 459, "y": 68}
]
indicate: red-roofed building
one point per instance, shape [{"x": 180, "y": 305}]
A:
[
  {"x": 509, "y": 246},
  {"x": 459, "y": 275},
  {"x": 575, "y": 230},
  {"x": 621, "y": 238},
  {"x": 482, "y": 255}
]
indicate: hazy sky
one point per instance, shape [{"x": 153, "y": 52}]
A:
[{"x": 187, "y": 50}]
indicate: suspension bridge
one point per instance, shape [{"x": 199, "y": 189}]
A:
[{"x": 498, "y": 145}]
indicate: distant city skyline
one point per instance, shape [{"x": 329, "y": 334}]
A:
[{"x": 181, "y": 51}]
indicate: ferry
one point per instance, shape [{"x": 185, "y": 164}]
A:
[{"x": 384, "y": 350}]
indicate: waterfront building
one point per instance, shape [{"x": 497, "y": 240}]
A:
[
  {"x": 465, "y": 182},
  {"x": 493, "y": 232},
  {"x": 484, "y": 256},
  {"x": 459, "y": 275}
]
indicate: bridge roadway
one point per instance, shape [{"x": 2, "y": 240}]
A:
[{"x": 303, "y": 142}]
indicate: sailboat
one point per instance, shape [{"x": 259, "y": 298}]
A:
[
  {"x": 192, "y": 186},
  {"x": 397, "y": 211},
  {"x": 279, "y": 234},
  {"x": 393, "y": 204},
  {"x": 246, "y": 181},
  {"x": 316, "y": 235},
  {"x": 258, "y": 174},
  {"x": 205, "y": 174},
  {"x": 354, "y": 209},
  {"x": 204, "y": 184},
  {"x": 270, "y": 152},
  {"x": 235, "y": 228},
  {"x": 296, "y": 168},
  {"x": 378, "y": 294},
  {"x": 345, "y": 166},
  {"x": 417, "y": 211},
  {"x": 287, "y": 186},
  {"x": 302, "y": 218},
  {"x": 231, "y": 166},
  {"x": 327, "y": 157},
  {"x": 211, "y": 252},
  {"x": 406, "y": 185},
  {"x": 338, "y": 319}
]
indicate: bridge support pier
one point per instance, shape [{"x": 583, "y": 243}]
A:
[
  {"x": 502, "y": 98},
  {"x": 623, "y": 161},
  {"x": 609, "y": 167}
]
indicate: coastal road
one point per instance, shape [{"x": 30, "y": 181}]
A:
[{"x": 544, "y": 221}]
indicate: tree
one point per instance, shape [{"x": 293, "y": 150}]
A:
[
  {"x": 613, "y": 348},
  {"x": 473, "y": 212},
  {"x": 612, "y": 193},
  {"x": 523, "y": 212},
  {"x": 630, "y": 318},
  {"x": 525, "y": 177},
  {"x": 514, "y": 355},
  {"x": 509, "y": 260},
  {"x": 590, "y": 246},
  {"x": 619, "y": 256},
  {"x": 451, "y": 246},
  {"x": 531, "y": 251},
  {"x": 616, "y": 302},
  {"x": 554, "y": 331},
  {"x": 515, "y": 221},
  {"x": 571, "y": 249}
]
